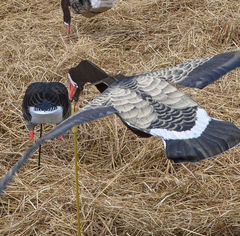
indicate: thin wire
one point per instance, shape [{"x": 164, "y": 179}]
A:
[
  {"x": 39, "y": 149},
  {"x": 74, "y": 129}
]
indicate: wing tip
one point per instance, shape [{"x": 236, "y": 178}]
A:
[
  {"x": 211, "y": 70},
  {"x": 218, "y": 137}
]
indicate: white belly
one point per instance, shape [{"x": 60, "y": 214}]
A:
[{"x": 42, "y": 117}]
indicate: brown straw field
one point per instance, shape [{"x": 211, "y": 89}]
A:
[{"x": 127, "y": 186}]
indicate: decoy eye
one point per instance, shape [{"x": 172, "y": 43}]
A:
[{"x": 80, "y": 88}]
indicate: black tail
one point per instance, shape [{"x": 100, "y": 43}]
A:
[{"x": 218, "y": 137}]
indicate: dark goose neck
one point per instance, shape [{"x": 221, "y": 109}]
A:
[{"x": 66, "y": 12}]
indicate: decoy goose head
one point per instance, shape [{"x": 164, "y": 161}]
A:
[
  {"x": 66, "y": 14},
  {"x": 85, "y": 72},
  {"x": 75, "y": 84}
]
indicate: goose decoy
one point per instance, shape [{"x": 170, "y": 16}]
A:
[
  {"x": 150, "y": 104},
  {"x": 45, "y": 102},
  {"x": 197, "y": 73},
  {"x": 87, "y": 8}
]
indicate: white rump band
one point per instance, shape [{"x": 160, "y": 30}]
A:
[{"x": 200, "y": 125}]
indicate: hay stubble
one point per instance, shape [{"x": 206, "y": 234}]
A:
[{"x": 127, "y": 185}]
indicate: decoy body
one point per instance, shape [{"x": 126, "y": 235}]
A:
[
  {"x": 150, "y": 104},
  {"x": 197, "y": 73},
  {"x": 87, "y": 8},
  {"x": 45, "y": 102}
]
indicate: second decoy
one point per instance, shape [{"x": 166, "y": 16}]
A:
[
  {"x": 45, "y": 102},
  {"x": 87, "y": 8}
]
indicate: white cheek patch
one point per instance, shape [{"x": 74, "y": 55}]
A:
[
  {"x": 200, "y": 125},
  {"x": 42, "y": 117},
  {"x": 71, "y": 81}
]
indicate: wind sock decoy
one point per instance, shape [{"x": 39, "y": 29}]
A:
[
  {"x": 150, "y": 104},
  {"x": 87, "y": 8}
]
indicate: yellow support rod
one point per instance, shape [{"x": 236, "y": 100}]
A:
[{"x": 74, "y": 130}]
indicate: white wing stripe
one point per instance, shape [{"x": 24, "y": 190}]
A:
[{"x": 200, "y": 125}]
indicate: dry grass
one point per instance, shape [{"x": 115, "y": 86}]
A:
[{"x": 127, "y": 185}]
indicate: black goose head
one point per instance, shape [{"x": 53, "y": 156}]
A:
[
  {"x": 75, "y": 84},
  {"x": 66, "y": 14},
  {"x": 85, "y": 72}
]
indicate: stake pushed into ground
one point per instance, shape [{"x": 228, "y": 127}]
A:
[
  {"x": 74, "y": 130},
  {"x": 40, "y": 147}
]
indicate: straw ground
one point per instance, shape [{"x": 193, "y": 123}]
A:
[{"x": 127, "y": 185}]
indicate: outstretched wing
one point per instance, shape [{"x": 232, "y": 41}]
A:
[
  {"x": 147, "y": 102},
  {"x": 201, "y": 72},
  {"x": 154, "y": 106},
  {"x": 92, "y": 111}
]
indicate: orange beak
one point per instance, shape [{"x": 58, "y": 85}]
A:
[
  {"x": 72, "y": 86},
  {"x": 67, "y": 27}
]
